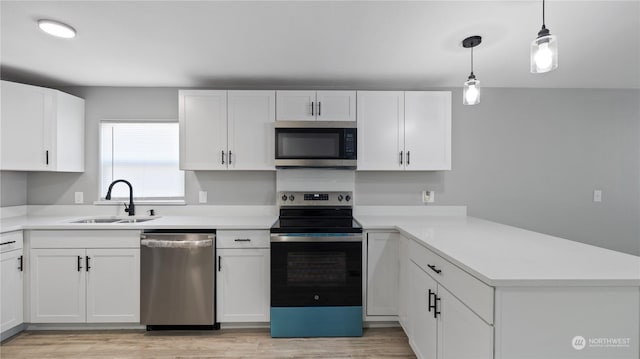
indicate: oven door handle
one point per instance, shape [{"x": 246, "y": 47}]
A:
[{"x": 304, "y": 237}]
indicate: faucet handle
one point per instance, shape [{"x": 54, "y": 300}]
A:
[{"x": 126, "y": 207}]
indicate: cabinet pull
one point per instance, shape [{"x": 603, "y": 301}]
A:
[
  {"x": 408, "y": 158},
  {"x": 242, "y": 240},
  {"x": 219, "y": 263},
  {"x": 46, "y": 156},
  {"x": 5, "y": 243},
  {"x": 401, "y": 157},
  {"x": 79, "y": 263},
  {"x": 435, "y": 306},
  {"x": 319, "y": 107},
  {"x": 430, "y": 305},
  {"x": 311, "y": 108},
  {"x": 230, "y": 157},
  {"x": 222, "y": 157},
  {"x": 433, "y": 268},
  {"x": 87, "y": 260},
  {"x": 20, "y": 260}
]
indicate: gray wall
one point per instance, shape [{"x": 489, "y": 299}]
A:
[
  {"x": 108, "y": 103},
  {"x": 532, "y": 158},
  {"x": 13, "y": 188},
  {"x": 525, "y": 157}
]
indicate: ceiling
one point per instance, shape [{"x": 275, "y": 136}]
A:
[{"x": 320, "y": 44}]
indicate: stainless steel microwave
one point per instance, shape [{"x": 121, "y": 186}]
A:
[{"x": 329, "y": 144}]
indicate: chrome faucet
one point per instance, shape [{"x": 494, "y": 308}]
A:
[{"x": 131, "y": 209}]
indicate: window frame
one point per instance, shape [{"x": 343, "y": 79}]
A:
[{"x": 138, "y": 200}]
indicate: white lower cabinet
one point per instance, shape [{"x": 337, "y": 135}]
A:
[
  {"x": 382, "y": 273},
  {"x": 71, "y": 284},
  {"x": 243, "y": 276},
  {"x": 11, "y": 280},
  {"x": 441, "y": 326}
]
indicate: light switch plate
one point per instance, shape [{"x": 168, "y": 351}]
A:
[
  {"x": 428, "y": 196},
  {"x": 79, "y": 197},
  {"x": 202, "y": 196},
  {"x": 597, "y": 195}
]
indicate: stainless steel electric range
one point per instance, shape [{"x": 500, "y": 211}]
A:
[{"x": 316, "y": 266}]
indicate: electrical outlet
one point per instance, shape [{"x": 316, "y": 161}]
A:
[
  {"x": 79, "y": 197},
  {"x": 597, "y": 195},
  {"x": 202, "y": 196},
  {"x": 428, "y": 196}
]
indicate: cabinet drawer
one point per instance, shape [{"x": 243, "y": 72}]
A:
[
  {"x": 85, "y": 239},
  {"x": 10, "y": 241},
  {"x": 242, "y": 239},
  {"x": 471, "y": 291}
]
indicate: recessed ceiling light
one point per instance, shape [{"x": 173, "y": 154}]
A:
[{"x": 57, "y": 28}]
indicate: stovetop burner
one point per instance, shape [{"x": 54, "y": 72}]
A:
[{"x": 316, "y": 212}]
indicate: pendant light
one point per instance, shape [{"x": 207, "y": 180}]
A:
[
  {"x": 544, "y": 50},
  {"x": 471, "y": 92}
]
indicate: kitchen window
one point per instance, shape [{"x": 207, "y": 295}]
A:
[{"x": 145, "y": 154}]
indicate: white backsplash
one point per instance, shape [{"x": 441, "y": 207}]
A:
[{"x": 315, "y": 179}]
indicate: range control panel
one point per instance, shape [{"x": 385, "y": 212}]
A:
[{"x": 315, "y": 199}]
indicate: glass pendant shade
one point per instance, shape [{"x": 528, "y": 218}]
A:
[
  {"x": 544, "y": 54},
  {"x": 471, "y": 92}
]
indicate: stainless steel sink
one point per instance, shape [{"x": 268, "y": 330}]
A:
[
  {"x": 113, "y": 220},
  {"x": 98, "y": 220}
]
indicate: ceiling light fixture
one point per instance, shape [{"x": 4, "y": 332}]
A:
[
  {"x": 56, "y": 28},
  {"x": 544, "y": 50},
  {"x": 471, "y": 92}
]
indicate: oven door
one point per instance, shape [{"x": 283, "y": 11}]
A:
[{"x": 316, "y": 270}]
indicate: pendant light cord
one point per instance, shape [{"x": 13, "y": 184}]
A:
[
  {"x": 472, "y": 61},
  {"x": 543, "y": 22}
]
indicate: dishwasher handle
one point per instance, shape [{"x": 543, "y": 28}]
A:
[{"x": 162, "y": 243}]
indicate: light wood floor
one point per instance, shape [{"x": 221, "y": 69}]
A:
[{"x": 227, "y": 343}]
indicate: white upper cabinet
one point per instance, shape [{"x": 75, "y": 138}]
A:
[
  {"x": 203, "y": 129},
  {"x": 427, "y": 130},
  {"x": 316, "y": 105},
  {"x": 250, "y": 130},
  {"x": 380, "y": 130},
  {"x": 222, "y": 130},
  {"x": 404, "y": 130},
  {"x": 41, "y": 129}
]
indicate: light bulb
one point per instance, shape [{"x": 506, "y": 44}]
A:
[
  {"x": 543, "y": 57},
  {"x": 544, "y": 54},
  {"x": 471, "y": 92}
]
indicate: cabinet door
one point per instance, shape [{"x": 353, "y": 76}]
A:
[
  {"x": 203, "y": 129},
  {"x": 427, "y": 128},
  {"x": 403, "y": 284},
  {"x": 10, "y": 289},
  {"x": 57, "y": 285},
  {"x": 424, "y": 327},
  {"x": 380, "y": 130},
  {"x": 69, "y": 133},
  {"x": 382, "y": 273},
  {"x": 25, "y": 127},
  {"x": 461, "y": 333},
  {"x": 250, "y": 130},
  {"x": 296, "y": 106},
  {"x": 243, "y": 285},
  {"x": 113, "y": 285},
  {"x": 336, "y": 105}
]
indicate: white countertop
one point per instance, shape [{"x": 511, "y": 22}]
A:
[
  {"x": 501, "y": 255},
  {"x": 161, "y": 222},
  {"x": 497, "y": 254}
]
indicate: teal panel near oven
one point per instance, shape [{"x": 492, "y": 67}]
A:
[{"x": 297, "y": 322}]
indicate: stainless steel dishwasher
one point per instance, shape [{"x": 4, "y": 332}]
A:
[{"x": 177, "y": 282}]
